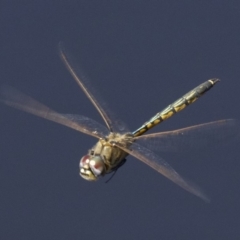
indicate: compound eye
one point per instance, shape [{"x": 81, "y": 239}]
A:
[
  {"x": 84, "y": 161},
  {"x": 97, "y": 165}
]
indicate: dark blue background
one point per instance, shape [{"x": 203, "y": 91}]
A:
[{"x": 140, "y": 56}]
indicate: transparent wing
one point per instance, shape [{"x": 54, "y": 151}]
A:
[
  {"x": 161, "y": 166},
  {"x": 194, "y": 137},
  {"x": 16, "y": 99},
  {"x": 106, "y": 114}
]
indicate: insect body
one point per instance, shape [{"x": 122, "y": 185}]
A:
[{"x": 106, "y": 156}]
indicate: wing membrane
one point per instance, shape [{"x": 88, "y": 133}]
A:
[
  {"x": 16, "y": 99},
  {"x": 161, "y": 166},
  {"x": 195, "y": 137},
  {"x": 105, "y": 113}
]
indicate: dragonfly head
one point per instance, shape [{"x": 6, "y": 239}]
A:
[{"x": 91, "y": 167}]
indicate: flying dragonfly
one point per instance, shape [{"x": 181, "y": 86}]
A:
[{"x": 114, "y": 142}]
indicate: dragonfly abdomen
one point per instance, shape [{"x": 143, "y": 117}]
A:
[{"x": 177, "y": 106}]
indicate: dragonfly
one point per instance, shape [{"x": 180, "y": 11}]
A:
[{"x": 115, "y": 143}]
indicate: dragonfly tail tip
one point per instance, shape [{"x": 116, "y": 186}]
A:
[{"x": 215, "y": 80}]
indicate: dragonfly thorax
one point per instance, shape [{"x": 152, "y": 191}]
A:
[{"x": 91, "y": 167}]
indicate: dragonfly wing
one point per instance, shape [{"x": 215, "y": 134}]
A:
[
  {"x": 88, "y": 125},
  {"x": 161, "y": 166},
  {"x": 106, "y": 114},
  {"x": 195, "y": 137},
  {"x": 16, "y": 99}
]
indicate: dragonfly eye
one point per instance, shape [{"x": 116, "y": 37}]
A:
[
  {"x": 84, "y": 162},
  {"x": 91, "y": 167},
  {"x": 97, "y": 165}
]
